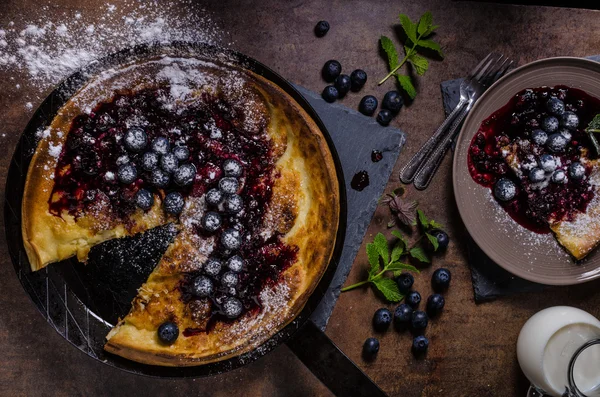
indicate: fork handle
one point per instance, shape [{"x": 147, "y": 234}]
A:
[
  {"x": 431, "y": 165},
  {"x": 407, "y": 174}
]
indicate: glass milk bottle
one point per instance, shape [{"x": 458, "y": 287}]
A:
[{"x": 559, "y": 351}]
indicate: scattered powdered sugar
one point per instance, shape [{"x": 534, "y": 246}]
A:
[
  {"x": 274, "y": 301},
  {"x": 54, "y": 150}
]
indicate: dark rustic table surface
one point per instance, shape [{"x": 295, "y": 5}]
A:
[{"x": 472, "y": 348}]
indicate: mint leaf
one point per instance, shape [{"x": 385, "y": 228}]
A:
[
  {"x": 390, "y": 51},
  {"x": 435, "y": 225},
  {"x": 400, "y": 237},
  {"x": 425, "y": 23},
  {"x": 432, "y": 45},
  {"x": 407, "y": 85},
  {"x": 397, "y": 251},
  {"x": 419, "y": 254},
  {"x": 594, "y": 125},
  {"x": 423, "y": 219},
  {"x": 409, "y": 28},
  {"x": 382, "y": 246},
  {"x": 389, "y": 289},
  {"x": 433, "y": 240},
  {"x": 395, "y": 266},
  {"x": 420, "y": 64},
  {"x": 397, "y": 273},
  {"x": 373, "y": 255}
]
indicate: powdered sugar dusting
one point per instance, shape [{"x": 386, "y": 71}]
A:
[{"x": 273, "y": 300}]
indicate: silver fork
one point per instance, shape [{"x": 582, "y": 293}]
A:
[
  {"x": 407, "y": 174},
  {"x": 491, "y": 72}
]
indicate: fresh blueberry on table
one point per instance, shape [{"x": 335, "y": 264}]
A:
[
  {"x": 505, "y": 189},
  {"x": 392, "y": 101},
  {"x": 214, "y": 197},
  {"x": 419, "y": 321},
  {"x": 342, "y": 84},
  {"x": 405, "y": 282},
  {"x": 358, "y": 78},
  {"x": 384, "y": 117},
  {"x": 577, "y": 171},
  {"x": 442, "y": 238},
  {"x": 402, "y": 316},
  {"x": 168, "y": 332},
  {"x": 174, "y": 203},
  {"x": 370, "y": 348},
  {"x": 144, "y": 199},
  {"x": 537, "y": 175},
  {"x": 435, "y": 304},
  {"x": 331, "y": 70},
  {"x": 441, "y": 279},
  {"x": 202, "y": 287},
  {"x": 150, "y": 161},
  {"x": 127, "y": 174},
  {"x": 382, "y": 319},
  {"x": 556, "y": 143},
  {"x": 211, "y": 221},
  {"x": 569, "y": 120},
  {"x": 160, "y": 145},
  {"x": 550, "y": 124},
  {"x": 420, "y": 345},
  {"x": 413, "y": 299},
  {"x": 539, "y": 137},
  {"x": 559, "y": 176},
  {"x": 555, "y": 106},
  {"x": 367, "y": 105},
  {"x": 182, "y": 153},
  {"x": 136, "y": 139},
  {"x": 330, "y": 94},
  {"x": 321, "y": 28},
  {"x": 184, "y": 175},
  {"x": 232, "y": 167}
]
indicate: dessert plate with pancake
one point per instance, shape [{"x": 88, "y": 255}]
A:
[
  {"x": 527, "y": 174},
  {"x": 235, "y": 162}
]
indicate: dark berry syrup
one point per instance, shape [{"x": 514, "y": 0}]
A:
[
  {"x": 359, "y": 181},
  {"x": 514, "y": 122}
]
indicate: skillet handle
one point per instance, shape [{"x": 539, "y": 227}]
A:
[{"x": 328, "y": 363}]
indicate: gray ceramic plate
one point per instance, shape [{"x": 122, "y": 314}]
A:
[{"x": 532, "y": 256}]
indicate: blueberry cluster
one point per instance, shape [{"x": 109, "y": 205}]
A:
[
  {"x": 342, "y": 83},
  {"x": 406, "y": 315},
  {"x": 390, "y": 106}
]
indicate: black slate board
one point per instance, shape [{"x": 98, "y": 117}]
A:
[
  {"x": 354, "y": 136},
  {"x": 489, "y": 279}
]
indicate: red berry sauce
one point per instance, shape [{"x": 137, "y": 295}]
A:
[{"x": 524, "y": 113}]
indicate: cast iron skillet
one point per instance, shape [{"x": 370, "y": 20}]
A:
[{"x": 81, "y": 302}]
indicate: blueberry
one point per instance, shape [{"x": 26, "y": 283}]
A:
[
  {"x": 370, "y": 348},
  {"x": 202, "y": 287},
  {"x": 402, "y": 316},
  {"x": 232, "y": 307},
  {"x": 136, "y": 139},
  {"x": 182, "y": 153},
  {"x": 420, "y": 345},
  {"x": 168, "y": 332},
  {"x": 212, "y": 267},
  {"x": 566, "y": 133},
  {"x": 144, "y": 199},
  {"x": 184, "y": 175},
  {"x": 576, "y": 171},
  {"x": 159, "y": 178},
  {"x": 342, "y": 84},
  {"x": 229, "y": 279},
  {"x": 555, "y": 106},
  {"x": 405, "y": 282},
  {"x": 435, "y": 304},
  {"x": 413, "y": 299},
  {"x": 419, "y": 321},
  {"x": 127, "y": 173},
  {"x": 569, "y": 120},
  {"x": 382, "y": 319},
  {"x": 229, "y": 185},
  {"x": 440, "y": 280},
  {"x": 556, "y": 143},
  {"x": 539, "y": 137},
  {"x": 358, "y": 78},
  {"x": 330, "y": 94},
  {"x": 321, "y": 28},
  {"x": 537, "y": 175},
  {"x": 231, "y": 239},
  {"x": 211, "y": 221},
  {"x": 214, "y": 197},
  {"x": 368, "y": 105},
  {"x": 547, "y": 162},
  {"x": 169, "y": 163},
  {"x": 161, "y": 145},
  {"x": 233, "y": 203},
  {"x": 150, "y": 161},
  {"x": 550, "y": 124},
  {"x": 384, "y": 117},
  {"x": 392, "y": 101},
  {"x": 442, "y": 238},
  {"x": 232, "y": 167},
  {"x": 559, "y": 176},
  {"x": 235, "y": 263},
  {"x": 331, "y": 70},
  {"x": 174, "y": 203},
  {"x": 505, "y": 189}
]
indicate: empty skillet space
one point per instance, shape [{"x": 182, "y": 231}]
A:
[{"x": 535, "y": 257}]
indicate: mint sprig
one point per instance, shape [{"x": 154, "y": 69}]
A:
[
  {"x": 592, "y": 129},
  {"x": 417, "y": 35}
]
